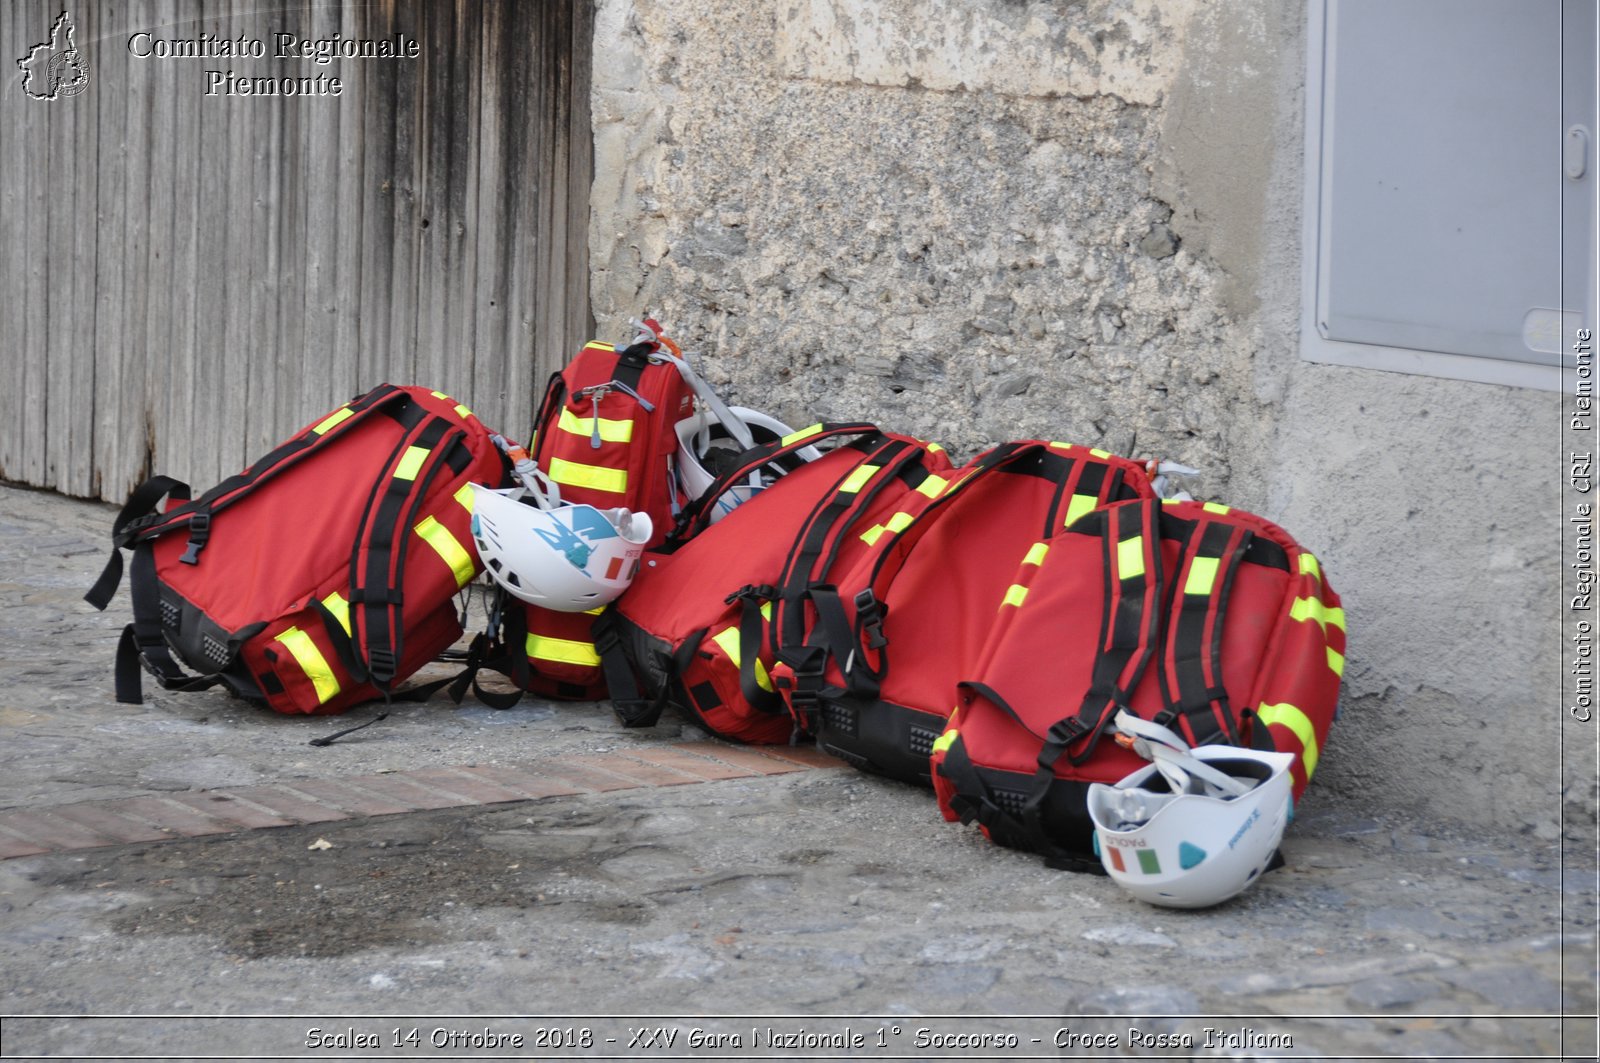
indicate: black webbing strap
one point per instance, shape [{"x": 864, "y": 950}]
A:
[
  {"x": 137, "y": 511},
  {"x": 817, "y": 544},
  {"x": 1191, "y": 666},
  {"x": 975, "y": 800},
  {"x": 807, "y": 663},
  {"x": 628, "y": 701},
  {"x": 138, "y": 522},
  {"x": 864, "y": 666},
  {"x": 806, "y": 652},
  {"x": 143, "y": 646},
  {"x": 385, "y": 399},
  {"x": 632, "y": 708},
  {"x": 378, "y": 561},
  {"x": 555, "y": 393},
  {"x": 632, "y": 361},
  {"x": 751, "y": 628},
  {"x": 485, "y": 654},
  {"x": 1130, "y": 630}
]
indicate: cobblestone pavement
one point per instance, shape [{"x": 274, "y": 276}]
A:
[{"x": 462, "y": 872}]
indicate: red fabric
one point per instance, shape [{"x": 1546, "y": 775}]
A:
[
  {"x": 287, "y": 544},
  {"x": 1041, "y": 655}
]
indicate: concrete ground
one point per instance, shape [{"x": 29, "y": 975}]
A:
[{"x": 539, "y": 883}]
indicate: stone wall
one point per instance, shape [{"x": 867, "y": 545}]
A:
[{"x": 983, "y": 220}]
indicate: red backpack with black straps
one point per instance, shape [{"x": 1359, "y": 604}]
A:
[
  {"x": 322, "y": 575},
  {"x": 1211, "y": 621},
  {"x": 697, "y": 627},
  {"x": 605, "y": 435},
  {"x": 925, "y": 596}
]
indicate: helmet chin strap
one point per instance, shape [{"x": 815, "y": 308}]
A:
[
  {"x": 736, "y": 427},
  {"x": 1185, "y": 773}
]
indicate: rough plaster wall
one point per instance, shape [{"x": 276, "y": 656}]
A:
[
  {"x": 955, "y": 236},
  {"x": 1425, "y": 496},
  {"x": 980, "y": 220}
]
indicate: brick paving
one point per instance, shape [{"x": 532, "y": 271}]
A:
[{"x": 296, "y": 802}]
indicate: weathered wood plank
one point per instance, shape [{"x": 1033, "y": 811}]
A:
[
  {"x": 349, "y": 191},
  {"x": 158, "y": 83},
  {"x": 191, "y": 278}
]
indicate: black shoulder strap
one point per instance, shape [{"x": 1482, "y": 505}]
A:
[
  {"x": 1191, "y": 660},
  {"x": 1130, "y": 629},
  {"x": 377, "y": 561}
]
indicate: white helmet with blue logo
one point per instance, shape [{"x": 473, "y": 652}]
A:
[
  {"x": 1196, "y": 826},
  {"x": 571, "y": 558}
]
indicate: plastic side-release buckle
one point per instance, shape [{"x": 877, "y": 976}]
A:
[
  {"x": 762, "y": 592},
  {"x": 799, "y": 675},
  {"x": 199, "y": 532},
  {"x": 1063, "y": 733},
  {"x": 869, "y": 616},
  {"x": 381, "y": 665}
]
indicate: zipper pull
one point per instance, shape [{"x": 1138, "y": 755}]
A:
[
  {"x": 649, "y": 407},
  {"x": 594, "y": 422}
]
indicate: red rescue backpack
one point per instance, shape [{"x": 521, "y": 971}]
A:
[
  {"x": 697, "y": 627},
  {"x": 605, "y": 434},
  {"x": 925, "y": 597},
  {"x": 1208, "y": 620},
  {"x": 320, "y": 576}
]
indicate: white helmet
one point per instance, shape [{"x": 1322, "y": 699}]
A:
[
  {"x": 1195, "y": 827},
  {"x": 569, "y": 558},
  {"x": 707, "y": 448}
]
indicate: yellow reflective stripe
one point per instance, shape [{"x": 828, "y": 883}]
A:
[
  {"x": 1063, "y": 446},
  {"x": 803, "y": 433},
  {"x": 1215, "y": 507},
  {"x": 462, "y": 412},
  {"x": 933, "y": 486},
  {"x": 562, "y": 651},
  {"x": 1079, "y": 505},
  {"x": 411, "y": 463},
  {"x": 1313, "y": 609},
  {"x": 596, "y": 611},
  {"x": 897, "y": 523},
  {"x": 858, "y": 479},
  {"x": 596, "y": 345},
  {"x": 340, "y": 609},
  {"x": 334, "y": 418},
  {"x": 1097, "y": 452},
  {"x": 1289, "y": 716},
  {"x": 595, "y": 477},
  {"x": 312, "y": 663},
  {"x": 449, "y": 549},
  {"x": 612, "y": 430},
  {"x": 464, "y": 496},
  {"x": 1014, "y": 595},
  {"x": 1336, "y": 662},
  {"x": 934, "y": 448},
  {"x": 728, "y": 639},
  {"x": 438, "y": 394},
  {"x": 1036, "y": 554},
  {"x": 1202, "y": 576},
  {"x": 945, "y": 741},
  {"x": 1130, "y": 558},
  {"x": 1310, "y": 567}
]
